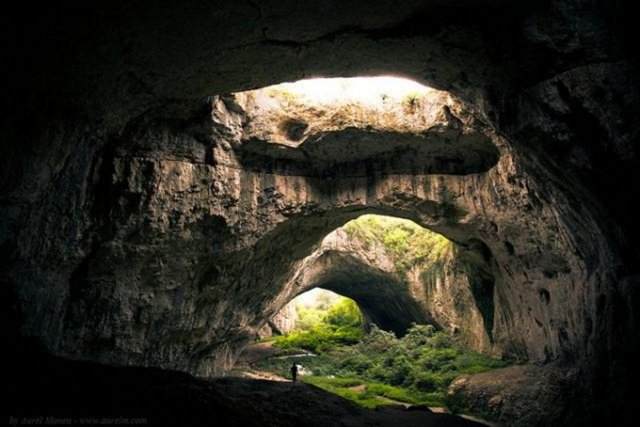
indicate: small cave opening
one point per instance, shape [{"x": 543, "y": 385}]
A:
[{"x": 318, "y": 311}]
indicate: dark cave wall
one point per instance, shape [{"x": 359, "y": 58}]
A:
[{"x": 126, "y": 242}]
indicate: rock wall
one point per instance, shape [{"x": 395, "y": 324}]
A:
[
  {"x": 133, "y": 233},
  {"x": 181, "y": 225},
  {"x": 365, "y": 272},
  {"x": 284, "y": 321}
]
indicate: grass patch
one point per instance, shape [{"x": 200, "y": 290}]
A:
[
  {"x": 415, "y": 369},
  {"x": 368, "y": 396},
  {"x": 343, "y": 387},
  {"x": 267, "y": 339}
]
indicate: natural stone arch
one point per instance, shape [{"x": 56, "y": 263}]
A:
[
  {"x": 560, "y": 191},
  {"x": 232, "y": 230},
  {"x": 381, "y": 297},
  {"x": 453, "y": 298}
]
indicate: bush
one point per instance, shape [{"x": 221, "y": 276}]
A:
[
  {"x": 416, "y": 368},
  {"x": 344, "y": 315},
  {"x": 358, "y": 363},
  {"x": 407, "y": 243},
  {"x": 418, "y": 335},
  {"x": 340, "y": 325},
  {"x": 424, "y": 381},
  {"x": 378, "y": 340}
]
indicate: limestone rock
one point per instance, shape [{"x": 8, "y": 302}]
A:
[
  {"x": 139, "y": 228},
  {"x": 522, "y": 395},
  {"x": 285, "y": 320},
  {"x": 364, "y": 271}
]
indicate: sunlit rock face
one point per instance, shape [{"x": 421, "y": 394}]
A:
[
  {"x": 144, "y": 223},
  {"x": 340, "y": 126},
  {"x": 441, "y": 287},
  {"x": 284, "y": 321}
]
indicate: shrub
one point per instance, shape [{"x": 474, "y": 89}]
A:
[
  {"x": 416, "y": 368},
  {"x": 341, "y": 325},
  {"x": 378, "y": 340},
  {"x": 408, "y": 244},
  {"x": 358, "y": 363}
]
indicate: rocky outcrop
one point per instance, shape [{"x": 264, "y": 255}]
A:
[
  {"x": 284, "y": 321},
  {"x": 521, "y": 395},
  {"x": 410, "y": 132},
  {"x": 138, "y": 227}
]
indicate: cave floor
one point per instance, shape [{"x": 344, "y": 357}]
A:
[{"x": 53, "y": 390}]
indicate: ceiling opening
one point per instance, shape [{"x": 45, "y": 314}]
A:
[
  {"x": 331, "y": 127},
  {"x": 372, "y": 91}
]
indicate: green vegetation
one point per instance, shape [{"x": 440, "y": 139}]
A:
[
  {"x": 277, "y": 92},
  {"x": 408, "y": 244},
  {"x": 321, "y": 331},
  {"x": 383, "y": 369},
  {"x": 369, "y": 394},
  {"x": 379, "y": 368},
  {"x": 411, "y": 102}
]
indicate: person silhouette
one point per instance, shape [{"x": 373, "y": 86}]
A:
[{"x": 294, "y": 372}]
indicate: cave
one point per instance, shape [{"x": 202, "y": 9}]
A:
[
  {"x": 454, "y": 291},
  {"x": 165, "y": 192}
]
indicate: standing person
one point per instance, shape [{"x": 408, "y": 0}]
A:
[{"x": 294, "y": 372}]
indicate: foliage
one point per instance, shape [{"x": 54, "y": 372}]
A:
[
  {"x": 408, "y": 244},
  {"x": 367, "y": 396},
  {"x": 308, "y": 317},
  {"x": 416, "y": 368},
  {"x": 340, "y": 325},
  {"x": 411, "y": 102}
]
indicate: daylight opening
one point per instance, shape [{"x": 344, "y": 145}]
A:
[
  {"x": 373, "y": 91},
  {"x": 289, "y": 113},
  {"x": 320, "y": 319},
  {"x": 388, "y": 313},
  {"x": 330, "y": 127}
]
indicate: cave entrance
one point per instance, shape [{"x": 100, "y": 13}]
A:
[
  {"x": 382, "y": 312},
  {"x": 400, "y": 273},
  {"x": 318, "y": 317}
]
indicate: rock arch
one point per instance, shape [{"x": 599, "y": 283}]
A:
[
  {"x": 128, "y": 239},
  {"x": 457, "y": 296}
]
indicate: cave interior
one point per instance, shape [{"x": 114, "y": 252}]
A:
[{"x": 172, "y": 175}]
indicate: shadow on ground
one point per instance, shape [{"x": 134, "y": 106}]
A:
[{"x": 71, "y": 391}]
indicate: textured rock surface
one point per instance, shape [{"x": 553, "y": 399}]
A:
[
  {"x": 522, "y": 395},
  {"x": 284, "y": 321},
  {"x": 399, "y": 133},
  {"x": 132, "y": 232},
  {"x": 365, "y": 272}
]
